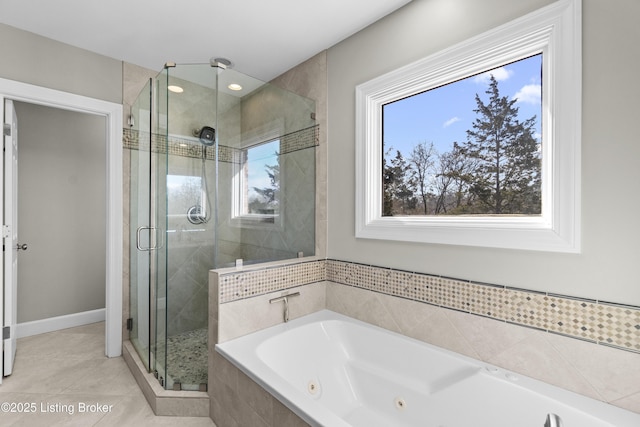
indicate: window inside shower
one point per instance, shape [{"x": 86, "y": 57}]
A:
[
  {"x": 257, "y": 182},
  {"x": 184, "y": 191}
]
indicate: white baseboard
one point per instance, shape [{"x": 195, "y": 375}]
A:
[{"x": 51, "y": 324}]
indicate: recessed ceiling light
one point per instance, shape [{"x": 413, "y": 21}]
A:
[
  {"x": 176, "y": 89},
  {"x": 235, "y": 86}
]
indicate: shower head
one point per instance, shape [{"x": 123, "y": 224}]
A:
[
  {"x": 207, "y": 135},
  {"x": 222, "y": 63}
]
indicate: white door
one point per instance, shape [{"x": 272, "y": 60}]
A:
[{"x": 10, "y": 234}]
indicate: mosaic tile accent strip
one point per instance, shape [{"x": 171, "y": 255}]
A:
[
  {"x": 289, "y": 143},
  {"x": 299, "y": 140},
  {"x": 599, "y": 322},
  {"x": 238, "y": 285},
  {"x": 143, "y": 141},
  {"x": 184, "y": 147}
]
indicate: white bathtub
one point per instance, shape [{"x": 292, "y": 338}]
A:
[{"x": 335, "y": 371}]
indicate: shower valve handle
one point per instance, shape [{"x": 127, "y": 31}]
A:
[{"x": 21, "y": 246}]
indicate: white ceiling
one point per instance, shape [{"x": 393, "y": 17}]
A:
[{"x": 262, "y": 38}]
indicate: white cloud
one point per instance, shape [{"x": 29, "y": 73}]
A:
[
  {"x": 530, "y": 94},
  {"x": 451, "y": 121},
  {"x": 499, "y": 74}
]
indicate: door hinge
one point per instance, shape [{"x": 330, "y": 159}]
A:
[
  {"x": 6, "y": 231},
  {"x": 130, "y": 324},
  {"x": 6, "y": 332},
  {"x": 6, "y": 129}
]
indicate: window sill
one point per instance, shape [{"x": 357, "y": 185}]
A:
[
  {"x": 260, "y": 221},
  {"x": 508, "y": 233}
]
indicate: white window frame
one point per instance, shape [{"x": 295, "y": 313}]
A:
[{"x": 554, "y": 31}]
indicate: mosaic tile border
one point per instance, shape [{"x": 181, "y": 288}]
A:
[
  {"x": 299, "y": 140},
  {"x": 137, "y": 140},
  {"x": 289, "y": 143},
  {"x": 242, "y": 284},
  {"x": 600, "y": 322}
]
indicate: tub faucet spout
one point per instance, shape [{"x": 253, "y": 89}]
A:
[
  {"x": 553, "y": 420},
  {"x": 285, "y": 299}
]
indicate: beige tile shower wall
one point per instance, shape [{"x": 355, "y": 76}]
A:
[
  {"x": 309, "y": 79},
  {"x": 134, "y": 78}
]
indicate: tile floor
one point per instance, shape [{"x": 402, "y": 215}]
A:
[{"x": 62, "y": 374}]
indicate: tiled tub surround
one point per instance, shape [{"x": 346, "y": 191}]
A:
[
  {"x": 478, "y": 320},
  {"x": 235, "y": 399},
  {"x": 595, "y": 321}
]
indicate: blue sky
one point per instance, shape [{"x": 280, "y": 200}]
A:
[
  {"x": 258, "y": 157},
  {"x": 443, "y": 115}
]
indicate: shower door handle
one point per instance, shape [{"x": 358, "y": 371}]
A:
[{"x": 155, "y": 239}]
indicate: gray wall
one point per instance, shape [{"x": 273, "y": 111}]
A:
[
  {"x": 62, "y": 212},
  {"x": 29, "y": 58},
  {"x": 40, "y": 61},
  {"x": 606, "y": 268}
]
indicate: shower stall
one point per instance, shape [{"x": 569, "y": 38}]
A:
[{"x": 222, "y": 173}]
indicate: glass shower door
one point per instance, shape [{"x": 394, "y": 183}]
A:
[
  {"x": 188, "y": 202},
  {"x": 139, "y": 142},
  {"x": 158, "y": 219},
  {"x": 148, "y": 224}
]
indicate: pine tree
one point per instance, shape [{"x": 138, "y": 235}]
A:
[
  {"x": 388, "y": 178},
  {"x": 507, "y": 176},
  {"x": 267, "y": 200},
  {"x": 398, "y": 186}
]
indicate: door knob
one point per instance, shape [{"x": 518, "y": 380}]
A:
[{"x": 21, "y": 246}]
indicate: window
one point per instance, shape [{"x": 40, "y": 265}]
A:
[
  {"x": 471, "y": 147},
  {"x": 186, "y": 197},
  {"x": 538, "y": 211},
  {"x": 257, "y": 184},
  {"x": 183, "y": 192}
]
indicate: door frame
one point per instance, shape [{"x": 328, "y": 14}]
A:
[{"x": 112, "y": 113}]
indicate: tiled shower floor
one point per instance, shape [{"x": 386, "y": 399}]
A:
[{"x": 187, "y": 358}]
